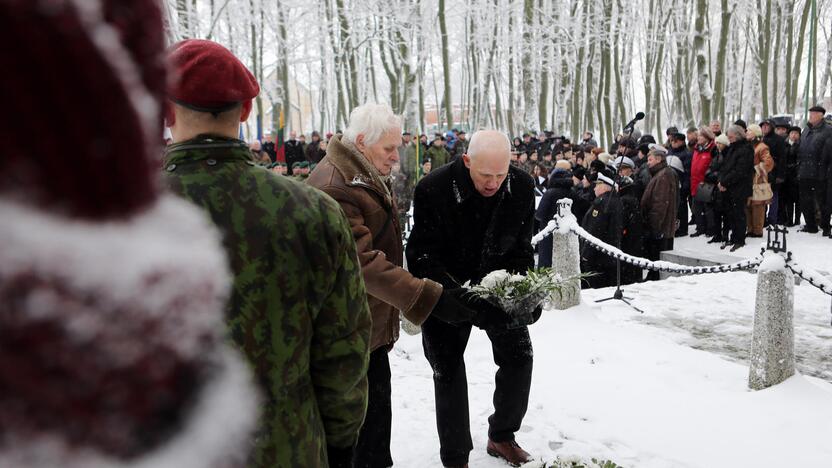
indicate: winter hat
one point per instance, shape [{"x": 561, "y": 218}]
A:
[
  {"x": 207, "y": 77},
  {"x": 605, "y": 158},
  {"x": 98, "y": 123},
  {"x": 579, "y": 172},
  {"x": 817, "y": 109},
  {"x": 741, "y": 123},
  {"x": 723, "y": 140},
  {"x": 624, "y": 161},
  {"x": 676, "y": 163},
  {"x": 112, "y": 348},
  {"x": 657, "y": 149},
  {"x": 646, "y": 139},
  {"x": 606, "y": 176},
  {"x": 755, "y": 130}
]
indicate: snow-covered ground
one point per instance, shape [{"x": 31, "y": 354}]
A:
[{"x": 664, "y": 389}]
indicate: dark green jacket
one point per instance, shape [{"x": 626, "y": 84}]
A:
[
  {"x": 298, "y": 309},
  {"x": 438, "y": 156}
]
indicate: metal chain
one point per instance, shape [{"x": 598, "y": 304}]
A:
[
  {"x": 810, "y": 276},
  {"x": 668, "y": 267},
  {"x": 616, "y": 253}
]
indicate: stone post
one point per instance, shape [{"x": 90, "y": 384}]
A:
[
  {"x": 772, "y": 344},
  {"x": 566, "y": 258}
]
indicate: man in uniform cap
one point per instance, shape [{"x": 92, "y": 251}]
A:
[
  {"x": 298, "y": 309},
  {"x": 602, "y": 220},
  {"x": 814, "y": 165}
]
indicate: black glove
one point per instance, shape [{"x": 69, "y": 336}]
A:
[
  {"x": 453, "y": 307},
  {"x": 488, "y": 316},
  {"x": 524, "y": 319},
  {"x": 339, "y": 457}
]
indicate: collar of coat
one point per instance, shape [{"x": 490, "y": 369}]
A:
[
  {"x": 207, "y": 147},
  {"x": 463, "y": 186},
  {"x": 356, "y": 170}
]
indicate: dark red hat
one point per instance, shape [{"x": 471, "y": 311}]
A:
[
  {"x": 84, "y": 126},
  {"x": 208, "y": 77}
]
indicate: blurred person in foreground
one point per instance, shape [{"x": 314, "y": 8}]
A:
[
  {"x": 298, "y": 308},
  {"x": 112, "y": 341}
]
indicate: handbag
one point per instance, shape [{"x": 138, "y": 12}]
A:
[
  {"x": 705, "y": 192},
  {"x": 761, "y": 191}
]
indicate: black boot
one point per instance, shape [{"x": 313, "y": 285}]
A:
[
  {"x": 736, "y": 247},
  {"x": 715, "y": 240}
]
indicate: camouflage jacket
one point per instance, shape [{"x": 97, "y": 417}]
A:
[{"x": 298, "y": 309}]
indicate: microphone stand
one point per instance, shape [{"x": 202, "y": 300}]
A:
[{"x": 618, "y": 295}]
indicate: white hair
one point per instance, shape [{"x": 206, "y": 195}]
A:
[
  {"x": 371, "y": 120},
  {"x": 489, "y": 140}
]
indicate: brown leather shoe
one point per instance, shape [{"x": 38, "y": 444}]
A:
[{"x": 508, "y": 451}]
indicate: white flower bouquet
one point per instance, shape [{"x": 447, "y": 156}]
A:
[{"x": 521, "y": 294}]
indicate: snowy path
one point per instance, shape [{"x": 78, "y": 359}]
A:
[
  {"x": 716, "y": 312},
  {"x": 620, "y": 390}
]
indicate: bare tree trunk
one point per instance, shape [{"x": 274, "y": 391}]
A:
[
  {"x": 719, "y": 93},
  {"x": 184, "y": 18},
  {"x": 798, "y": 56},
  {"x": 764, "y": 50},
  {"x": 702, "y": 69},
  {"x": 446, "y": 66},
  {"x": 531, "y": 118}
]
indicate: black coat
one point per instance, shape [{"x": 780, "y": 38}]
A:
[
  {"x": 632, "y": 233},
  {"x": 560, "y": 186},
  {"x": 314, "y": 153},
  {"x": 460, "y": 235},
  {"x": 294, "y": 152},
  {"x": 814, "y": 152},
  {"x": 737, "y": 171},
  {"x": 686, "y": 156},
  {"x": 604, "y": 221},
  {"x": 582, "y": 198},
  {"x": 777, "y": 148}
]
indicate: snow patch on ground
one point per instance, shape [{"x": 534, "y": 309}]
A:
[{"x": 609, "y": 383}]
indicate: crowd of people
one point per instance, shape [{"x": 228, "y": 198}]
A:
[
  {"x": 642, "y": 194},
  {"x": 724, "y": 185}
]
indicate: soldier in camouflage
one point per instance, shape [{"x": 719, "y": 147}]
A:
[{"x": 298, "y": 309}]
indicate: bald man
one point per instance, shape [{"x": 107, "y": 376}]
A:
[{"x": 474, "y": 216}]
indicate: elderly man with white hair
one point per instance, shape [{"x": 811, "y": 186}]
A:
[
  {"x": 356, "y": 173},
  {"x": 472, "y": 217}
]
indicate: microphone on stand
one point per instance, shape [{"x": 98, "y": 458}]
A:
[{"x": 628, "y": 129}]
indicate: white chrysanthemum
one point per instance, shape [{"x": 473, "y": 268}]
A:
[{"x": 494, "y": 278}]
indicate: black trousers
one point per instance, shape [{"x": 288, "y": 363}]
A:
[
  {"x": 812, "y": 201},
  {"x": 373, "y": 447},
  {"x": 736, "y": 219},
  {"x": 653, "y": 249},
  {"x": 444, "y": 346}
]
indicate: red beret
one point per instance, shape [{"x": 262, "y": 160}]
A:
[{"x": 208, "y": 77}]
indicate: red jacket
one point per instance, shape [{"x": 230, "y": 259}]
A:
[{"x": 701, "y": 161}]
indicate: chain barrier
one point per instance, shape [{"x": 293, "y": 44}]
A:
[
  {"x": 567, "y": 223},
  {"x": 811, "y": 276}
]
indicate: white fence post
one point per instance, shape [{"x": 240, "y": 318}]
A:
[
  {"x": 772, "y": 344},
  {"x": 566, "y": 258}
]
